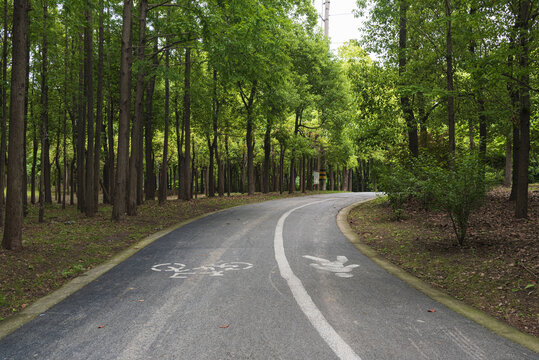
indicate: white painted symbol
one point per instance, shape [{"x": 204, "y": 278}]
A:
[
  {"x": 333, "y": 266},
  {"x": 211, "y": 270}
]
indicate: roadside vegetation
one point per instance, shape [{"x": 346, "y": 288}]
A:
[{"x": 495, "y": 270}]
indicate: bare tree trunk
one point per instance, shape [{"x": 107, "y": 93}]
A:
[
  {"x": 185, "y": 181},
  {"x": 81, "y": 137},
  {"x": 164, "y": 162},
  {"x": 35, "y": 148},
  {"x": 449, "y": 75},
  {"x": 12, "y": 239},
  {"x": 136, "y": 131},
  {"x": 99, "y": 107},
  {"x": 248, "y": 102},
  {"x": 508, "y": 162},
  {"x": 405, "y": 100},
  {"x": 119, "y": 206},
  {"x": 267, "y": 157},
  {"x": 149, "y": 187},
  {"x": 3, "y": 126},
  {"x": 523, "y": 24},
  {"x": 89, "y": 204}
]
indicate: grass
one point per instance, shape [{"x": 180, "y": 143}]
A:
[
  {"x": 496, "y": 270},
  {"x": 68, "y": 243}
]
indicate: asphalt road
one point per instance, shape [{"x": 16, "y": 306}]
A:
[{"x": 274, "y": 280}]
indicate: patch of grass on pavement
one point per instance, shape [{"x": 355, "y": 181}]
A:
[
  {"x": 68, "y": 243},
  {"x": 495, "y": 271}
]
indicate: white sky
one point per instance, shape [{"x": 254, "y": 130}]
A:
[{"x": 343, "y": 26}]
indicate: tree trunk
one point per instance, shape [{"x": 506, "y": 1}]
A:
[
  {"x": 149, "y": 186},
  {"x": 523, "y": 24},
  {"x": 3, "y": 125},
  {"x": 185, "y": 181},
  {"x": 119, "y": 206},
  {"x": 12, "y": 239},
  {"x": 34, "y": 164},
  {"x": 267, "y": 157},
  {"x": 99, "y": 108},
  {"x": 508, "y": 162},
  {"x": 249, "y": 136},
  {"x": 406, "y": 105},
  {"x": 449, "y": 75},
  {"x": 89, "y": 204},
  {"x": 110, "y": 153},
  {"x": 164, "y": 162},
  {"x": 81, "y": 136},
  {"x": 136, "y": 131}
]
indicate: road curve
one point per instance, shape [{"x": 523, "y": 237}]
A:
[{"x": 274, "y": 280}]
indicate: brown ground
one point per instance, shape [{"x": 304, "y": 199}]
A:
[
  {"x": 68, "y": 243},
  {"x": 495, "y": 271}
]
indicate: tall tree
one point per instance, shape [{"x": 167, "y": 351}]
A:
[
  {"x": 89, "y": 201},
  {"x": 136, "y": 132},
  {"x": 12, "y": 239},
  {"x": 119, "y": 206}
]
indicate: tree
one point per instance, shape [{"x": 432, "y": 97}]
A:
[
  {"x": 12, "y": 239},
  {"x": 119, "y": 206}
]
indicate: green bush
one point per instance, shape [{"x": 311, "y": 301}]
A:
[
  {"x": 397, "y": 182},
  {"x": 457, "y": 189}
]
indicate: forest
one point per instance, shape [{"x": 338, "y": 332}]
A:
[{"x": 124, "y": 102}]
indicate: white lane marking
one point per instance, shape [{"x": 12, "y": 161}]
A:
[
  {"x": 306, "y": 304},
  {"x": 333, "y": 266}
]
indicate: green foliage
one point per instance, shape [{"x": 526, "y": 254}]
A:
[
  {"x": 457, "y": 189},
  {"x": 398, "y": 182}
]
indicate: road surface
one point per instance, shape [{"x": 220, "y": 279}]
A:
[{"x": 275, "y": 280}]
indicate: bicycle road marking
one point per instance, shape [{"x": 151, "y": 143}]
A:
[
  {"x": 305, "y": 302},
  {"x": 180, "y": 272}
]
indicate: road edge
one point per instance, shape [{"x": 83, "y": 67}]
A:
[
  {"x": 478, "y": 316},
  {"x": 43, "y": 304}
]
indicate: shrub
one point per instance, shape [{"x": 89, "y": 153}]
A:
[
  {"x": 458, "y": 189},
  {"x": 397, "y": 182}
]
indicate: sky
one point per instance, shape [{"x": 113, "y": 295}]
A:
[{"x": 343, "y": 26}]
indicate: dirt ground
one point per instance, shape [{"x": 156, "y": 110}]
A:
[{"x": 496, "y": 269}]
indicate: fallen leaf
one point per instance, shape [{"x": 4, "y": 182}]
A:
[
  {"x": 224, "y": 326},
  {"x": 23, "y": 306},
  {"x": 431, "y": 310}
]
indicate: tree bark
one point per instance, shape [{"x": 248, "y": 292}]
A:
[
  {"x": 164, "y": 162},
  {"x": 523, "y": 24},
  {"x": 267, "y": 156},
  {"x": 406, "y": 105},
  {"x": 185, "y": 181},
  {"x": 3, "y": 126},
  {"x": 248, "y": 102},
  {"x": 12, "y": 239},
  {"x": 449, "y": 75},
  {"x": 136, "y": 130},
  {"x": 119, "y": 206},
  {"x": 89, "y": 201},
  {"x": 508, "y": 162},
  {"x": 149, "y": 186},
  {"x": 99, "y": 107}
]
